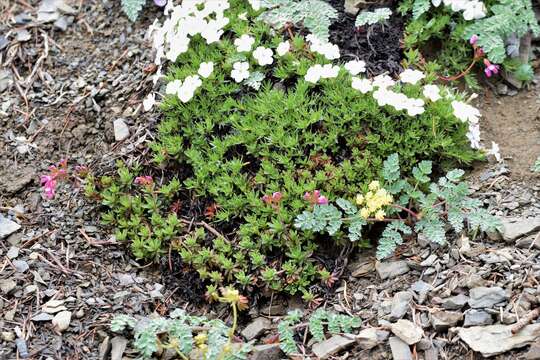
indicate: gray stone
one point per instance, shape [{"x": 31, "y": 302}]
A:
[
  {"x": 400, "y": 350},
  {"x": 407, "y": 331},
  {"x": 7, "y": 285},
  {"x": 371, "y": 337},
  {"x": 118, "y": 346},
  {"x": 256, "y": 328},
  {"x": 442, "y": 320},
  {"x": 13, "y": 252},
  {"x": 532, "y": 241},
  {"x": 353, "y": 6},
  {"x": 42, "y": 317},
  {"x": 391, "y": 269},
  {"x": 400, "y": 304},
  {"x": 486, "y": 297},
  {"x": 497, "y": 339},
  {"x": 534, "y": 352},
  {"x": 7, "y": 227},
  {"x": 514, "y": 228},
  {"x": 61, "y": 24},
  {"x": 121, "y": 130},
  {"x": 475, "y": 317},
  {"x": 502, "y": 89},
  {"x": 266, "y": 352},
  {"x": 20, "y": 265},
  {"x": 332, "y": 346},
  {"x": 422, "y": 288},
  {"x": 455, "y": 302},
  {"x": 62, "y": 320}
]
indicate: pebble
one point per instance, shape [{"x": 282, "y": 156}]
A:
[
  {"x": 475, "y": 317},
  {"x": 7, "y": 285},
  {"x": 118, "y": 346},
  {"x": 400, "y": 304},
  {"x": 331, "y": 346},
  {"x": 391, "y": 269},
  {"x": 42, "y": 317},
  {"x": 266, "y": 352},
  {"x": 121, "y": 130},
  {"x": 514, "y": 228},
  {"x": 7, "y": 336},
  {"x": 369, "y": 338},
  {"x": 13, "y": 252},
  {"x": 455, "y": 302},
  {"x": 7, "y": 227},
  {"x": 486, "y": 297},
  {"x": 62, "y": 320},
  {"x": 400, "y": 350},
  {"x": 256, "y": 328},
  {"x": 20, "y": 265},
  {"x": 407, "y": 331},
  {"x": 442, "y": 320}
]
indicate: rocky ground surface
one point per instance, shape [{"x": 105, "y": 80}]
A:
[{"x": 72, "y": 79}]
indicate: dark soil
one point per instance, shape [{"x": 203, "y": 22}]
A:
[{"x": 378, "y": 45}]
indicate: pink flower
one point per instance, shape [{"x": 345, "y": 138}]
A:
[
  {"x": 276, "y": 197},
  {"x": 322, "y": 200},
  {"x": 267, "y": 199},
  {"x": 56, "y": 172},
  {"x": 144, "y": 180},
  {"x": 316, "y": 198},
  {"x": 473, "y": 39},
  {"x": 490, "y": 68},
  {"x": 49, "y": 186}
]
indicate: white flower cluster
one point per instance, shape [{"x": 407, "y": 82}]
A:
[
  {"x": 263, "y": 55},
  {"x": 354, "y": 67},
  {"x": 471, "y": 115},
  {"x": 318, "y": 71},
  {"x": 472, "y": 9},
  {"x": 184, "y": 90},
  {"x": 326, "y": 49},
  {"x": 411, "y": 76}
]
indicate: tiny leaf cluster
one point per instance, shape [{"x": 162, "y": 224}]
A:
[{"x": 373, "y": 17}]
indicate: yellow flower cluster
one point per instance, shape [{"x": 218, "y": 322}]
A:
[{"x": 373, "y": 201}]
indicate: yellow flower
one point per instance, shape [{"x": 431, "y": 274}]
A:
[
  {"x": 374, "y": 185},
  {"x": 200, "y": 340},
  {"x": 379, "y": 215},
  {"x": 359, "y": 199},
  {"x": 364, "y": 213}
]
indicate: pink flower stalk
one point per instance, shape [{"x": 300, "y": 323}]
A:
[
  {"x": 473, "y": 39},
  {"x": 274, "y": 199},
  {"x": 144, "y": 180},
  {"x": 49, "y": 182},
  {"x": 316, "y": 198},
  {"x": 490, "y": 69}
]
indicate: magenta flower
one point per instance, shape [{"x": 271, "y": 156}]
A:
[
  {"x": 322, "y": 200},
  {"x": 490, "y": 69},
  {"x": 49, "y": 186},
  {"x": 274, "y": 199},
  {"x": 144, "y": 180},
  {"x": 316, "y": 198},
  {"x": 473, "y": 39}
]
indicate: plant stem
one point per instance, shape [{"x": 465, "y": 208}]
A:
[
  {"x": 460, "y": 75},
  {"x": 409, "y": 211}
]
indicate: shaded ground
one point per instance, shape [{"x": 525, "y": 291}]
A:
[{"x": 92, "y": 75}]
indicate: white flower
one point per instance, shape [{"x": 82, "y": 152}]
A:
[
  {"x": 149, "y": 101},
  {"x": 355, "y": 67},
  {"x": 474, "y": 135},
  {"x": 244, "y": 43},
  {"x": 465, "y": 112},
  {"x": 263, "y": 55},
  {"x": 411, "y": 76},
  {"x": 283, "y": 48},
  {"x": 415, "y": 107},
  {"x": 240, "y": 71},
  {"x": 474, "y": 10},
  {"x": 173, "y": 87},
  {"x": 383, "y": 81},
  {"x": 328, "y": 50},
  {"x": 495, "y": 151},
  {"x": 432, "y": 92},
  {"x": 255, "y": 4},
  {"x": 328, "y": 71},
  {"x": 362, "y": 85},
  {"x": 187, "y": 90},
  {"x": 206, "y": 69},
  {"x": 313, "y": 74}
]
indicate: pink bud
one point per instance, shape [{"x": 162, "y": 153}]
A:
[
  {"x": 277, "y": 196},
  {"x": 307, "y": 196},
  {"x": 316, "y": 193},
  {"x": 473, "y": 39},
  {"x": 266, "y": 199},
  {"x": 322, "y": 200}
]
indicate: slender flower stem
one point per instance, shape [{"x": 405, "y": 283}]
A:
[{"x": 409, "y": 211}]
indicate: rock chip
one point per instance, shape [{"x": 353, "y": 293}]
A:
[
  {"x": 371, "y": 337},
  {"x": 121, "y": 130},
  {"x": 7, "y": 285},
  {"x": 62, "y": 320},
  {"x": 534, "y": 352},
  {"x": 7, "y": 227},
  {"x": 266, "y": 352},
  {"x": 400, "y": 350},
  {"x": 486, "y": 297},
  {"x": 455, "y": 302},
  {"x": 407, "y": 331},
  {"x": 497, "y": 339},
  {"x": 514, "y": 228},
  {"x": 42, "y": 317},
  {"x": 332, "y": 346},
  {"x": 118, "y": 346},
  {"x": 20, "y": 265},
  {"x": 256, "y": 328},
  {"x": 353, "y": 6},
  {"x": 391, "y": 269},
  {"x": 442, "y": 320},
  {"x": 400, "y": 304},
  {"x": 475, "y": 317}
]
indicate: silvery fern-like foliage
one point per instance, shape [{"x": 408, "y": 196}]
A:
[
  {"x": 508, "y": 17},
  {"x": 315, "y": 15},
  {"x": 373, "y": 17},
  {"x": 335, "y": 323},
  {"x": 179, "y": 327},
  {"x": 132, "y": 8},
  {"x": 430, "y": 206},
  {"x": 536, "y": 166}
]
